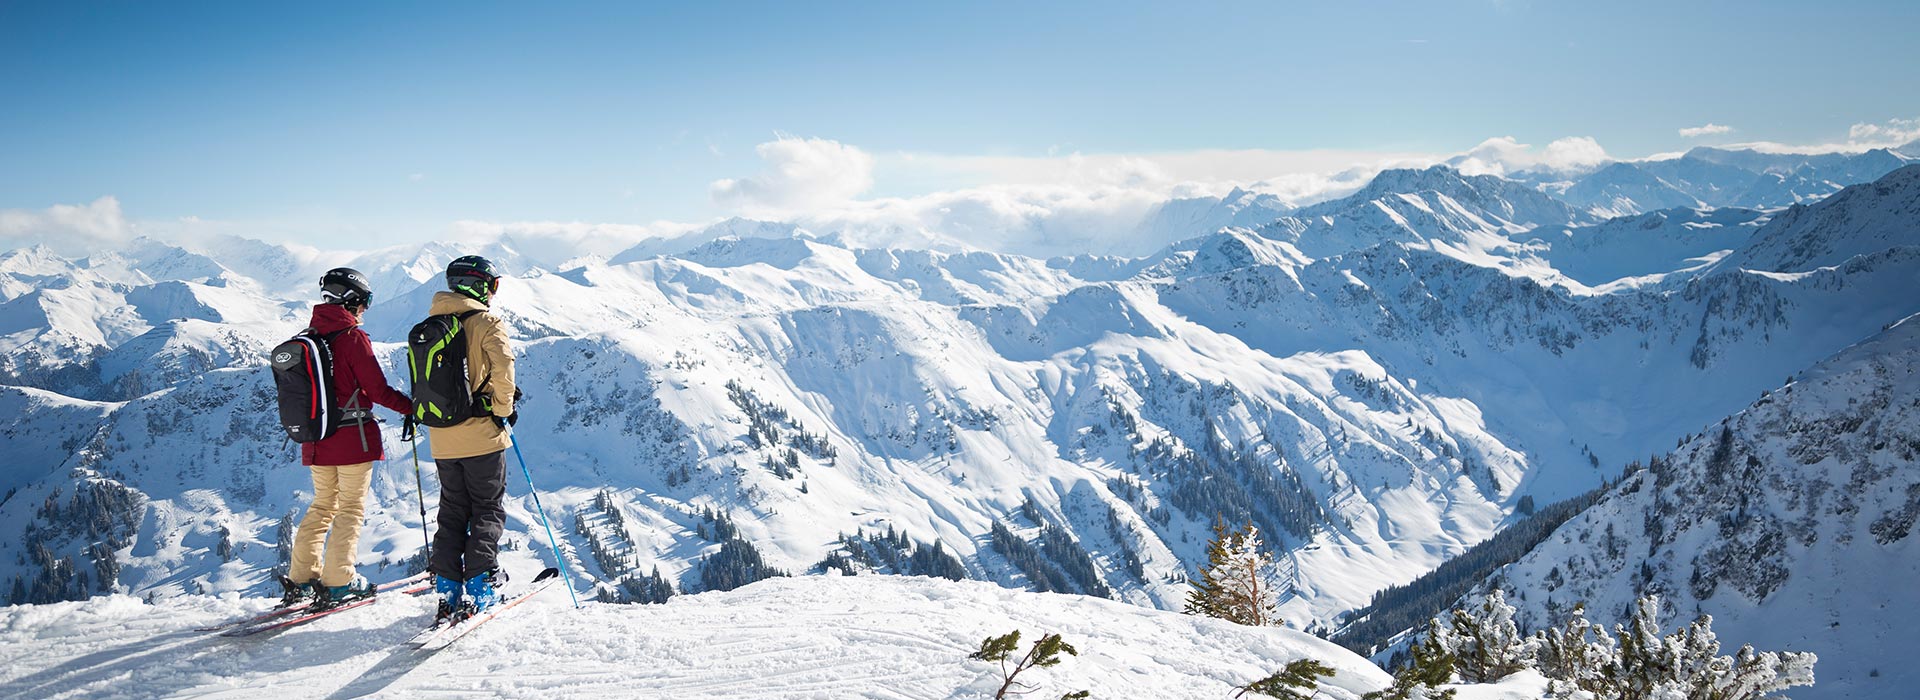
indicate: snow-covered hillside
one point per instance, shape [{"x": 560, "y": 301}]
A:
[
  {"x": 1790, "y": 522},
  {"x": 816, "y": 637},
  {"x": 1377, "y": 381}
]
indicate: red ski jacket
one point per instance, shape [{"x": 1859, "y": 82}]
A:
[{"x": 358, "y": 381}]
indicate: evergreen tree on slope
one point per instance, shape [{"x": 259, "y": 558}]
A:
[{"x": 1238, "y": 583}]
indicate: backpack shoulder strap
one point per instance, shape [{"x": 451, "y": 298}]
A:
[{"x": 464, "y": 315}]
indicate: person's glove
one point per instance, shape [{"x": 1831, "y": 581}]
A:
[
  {"x": 507, "y": 421},
  {"x": 406, "y": 428}
]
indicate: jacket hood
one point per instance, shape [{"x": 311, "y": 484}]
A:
[
  {"x": 453, "y": 303},
  {"x": 328, "y": 318}
]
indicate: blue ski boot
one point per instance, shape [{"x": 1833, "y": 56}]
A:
[
  {"x": 483, "y": 591},
  {"x": 449, "y": 591}
]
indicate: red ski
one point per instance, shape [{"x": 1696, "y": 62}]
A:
[
  {"x": 297, "y": 607},
  {"x": 305, "y": 617}
]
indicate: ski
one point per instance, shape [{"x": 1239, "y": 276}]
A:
[
  {"x": 296, "y": 607},
  {"x": 443, "y": 634},
  {"x": 305, "y": 617}
]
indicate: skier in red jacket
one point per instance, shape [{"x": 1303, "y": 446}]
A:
[{"x": 342, "y": 464}]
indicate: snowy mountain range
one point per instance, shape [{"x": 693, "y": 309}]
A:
[{"x": 1378, "y": 381}]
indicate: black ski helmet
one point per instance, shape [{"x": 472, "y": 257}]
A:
[
  {"x": 473, "y": 276},
  {"x": 347, "y": 287}
]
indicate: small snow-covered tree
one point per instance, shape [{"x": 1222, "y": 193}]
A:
[
  {"x": 1238, "y": 583},
  {"x": 1643, "y": 664},
  {"x": 1420, "y": 679},
  {"x": 1485, "y": 643},
  {"x": 1752, "y": 675},
  {"x": 1577, "y": 653}
]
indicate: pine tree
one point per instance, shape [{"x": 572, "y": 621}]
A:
[
  {"x": 1639, "y": 663},
  {"x": 1643, "y": 662},
  {"x": 1286, "y": 684},
  {"x": 1687, "y": 663},
  {"x": 1420, "y": 679},
  {"x": 1577, "y": 653},
  {"x": 1484, "y": 641},
  {"x": 1238, "y": 584},
  {"x": 1044, "y": 654}
]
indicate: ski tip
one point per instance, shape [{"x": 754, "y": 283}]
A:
[{"x": 546, "y": 573}]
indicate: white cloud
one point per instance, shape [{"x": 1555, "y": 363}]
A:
[
  {"x": 798, "y": 175},
  {"x": 1892, "y": 133},
  {"x": 1895, "y": 132},
  {"x": 1707, "y": 129},
  {"x": 553, "y": 242},
  {"x": 69, "y": 229},
  {"x": 1505, "y": 155},
  {"x": 1220, "y": 168}
]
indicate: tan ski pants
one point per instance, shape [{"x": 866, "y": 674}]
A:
[{"x": 339, "y": 502}]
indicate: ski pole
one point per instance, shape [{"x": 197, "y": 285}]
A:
[
  {"x": 419, "y": 490},
  {"x": 557, "y": 559}
]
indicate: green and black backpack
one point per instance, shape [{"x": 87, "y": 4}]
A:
[{"x": 443, "y": 395}]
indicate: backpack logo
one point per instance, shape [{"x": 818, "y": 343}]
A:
[{"x": 282, "y": 358}]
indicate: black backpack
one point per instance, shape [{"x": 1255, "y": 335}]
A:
[
  {"x": 303, "y": 380},
  {"x": 443, "y": 395}
]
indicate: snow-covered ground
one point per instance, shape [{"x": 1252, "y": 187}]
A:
[{"x": 811, "y": 637}]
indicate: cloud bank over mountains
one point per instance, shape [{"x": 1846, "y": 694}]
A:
[
  {"x": 70, "y": 229},
  {"x": 1041, "y": 205}
]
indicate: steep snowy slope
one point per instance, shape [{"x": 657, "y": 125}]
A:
[
  {"x": 1178, "y": 219},
  {"x": 1437, "y": 205},
  {"x": 1646, "y": 245},
  {"x": 1625, "y": 189},
  {"x": 1860, "y": 220},
  {"x": 41, "y": 430},
  {"x": 1789, "y": 522},
  {"x": 831, "y": 637}
]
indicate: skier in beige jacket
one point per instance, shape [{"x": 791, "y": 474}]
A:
[{"x": 471, "y": 456}]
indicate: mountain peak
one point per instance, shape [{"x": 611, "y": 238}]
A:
[{"x": 1440, "y": 178}]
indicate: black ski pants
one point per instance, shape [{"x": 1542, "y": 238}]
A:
[{"x": 473, "y": 513}]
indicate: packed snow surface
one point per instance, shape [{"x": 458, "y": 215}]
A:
[{"x": 812, "y": 637}]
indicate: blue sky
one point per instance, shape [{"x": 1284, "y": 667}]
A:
[{"x": 378, "y": 122}]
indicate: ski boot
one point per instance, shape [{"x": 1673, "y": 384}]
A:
[
  {"x": 449, "y": 591},
  {"x": 336, "y": 596},
  {"x": 292, "y": 594},
  {"x": 483, "y": 591}
]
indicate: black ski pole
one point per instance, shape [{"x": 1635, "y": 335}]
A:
[{"x": 419, "y": 489}]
